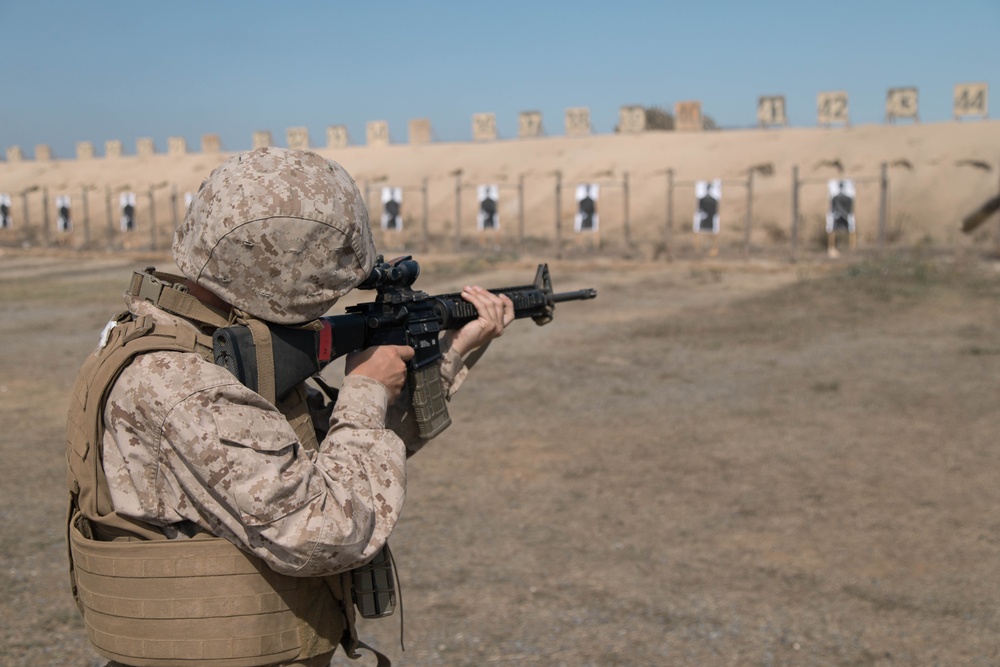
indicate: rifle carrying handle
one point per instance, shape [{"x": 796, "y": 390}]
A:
[{"x": 429, "y": 403}]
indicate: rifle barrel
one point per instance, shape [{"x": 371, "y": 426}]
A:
[{"x": 578, "y": 295}]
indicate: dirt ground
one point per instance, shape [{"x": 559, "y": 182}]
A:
[{"x": 713, "y": 463}]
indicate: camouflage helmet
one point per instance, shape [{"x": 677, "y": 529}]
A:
[{"x": 280, "y": 234}]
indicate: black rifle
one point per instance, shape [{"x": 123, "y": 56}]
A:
[{"x": 399, "y": 315}]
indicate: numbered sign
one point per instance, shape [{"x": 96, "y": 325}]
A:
[
  {"x": 771, "y": 110},
  {"x": 529, "y": 124},
  {"x": 484, "y": 126},
  {"x": 971, "y": 100},
  {"x": 709, "y": 196},
  {"x": 297, "y": 138},
  {"x": 831, "y": 108},
  {"x": 901, "y": 103},
  {"x": 126, "y": 203},
  {"x": 64, "y": 221},
  {"x": 392, "y": 209},
  {"x": 144, "y": 147},
  {"x": 336, "y": 136},
  {"x": 113, "y": 148},
  {"x": 420, "y": 131},
  {"x": 840, "y": 214},
  {"x": 577, "y": 122},
  {"x": 176, "y": 146},
  {"x": 586, "y": 219},
  {"x": 687, "y": 116},
  {"x": 377, "y": 133},
  {"x": 631, "y": 120},
  {"x": 84, "y": 150},
  {"x": 6, "y": 221},
  {"x": 488, "y": 217},
  {"x": 262, "y": 139},
  {"x": 211, "y": 143}
]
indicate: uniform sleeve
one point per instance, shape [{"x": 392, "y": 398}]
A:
[{"x": 186, "y": 442}]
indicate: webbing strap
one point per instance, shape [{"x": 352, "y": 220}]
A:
[
  {"x": 159, "y": 289},
  {"x": 382, "y": 659},
  {"x": 265, "y": 358}
]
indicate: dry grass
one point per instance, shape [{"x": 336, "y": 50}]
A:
[{"x": 711, "y": 464}]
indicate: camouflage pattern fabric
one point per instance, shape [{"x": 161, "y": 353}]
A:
[
  {"x": 278, "y": 233},
  {"x": 186, "y": 444}
]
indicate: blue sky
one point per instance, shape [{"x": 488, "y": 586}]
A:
[{"x": 74, "y": 70}]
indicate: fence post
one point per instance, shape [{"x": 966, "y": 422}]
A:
[
  {"x": 749, "y": 222},
  {"x": 558, "y": 215},
  {"x": 426, "y": 231},
  {"x": 45, "y": 215},
  {"x": 670, "y": 208},
  {"x": 998, "y": 240},
  {"x": 111, "y": 221},
  {"x": 24, "y": 201},
  {"x": 520, "y": 209},
  {"x": 152, "y": 221},
  {"x": 173, "y": 204},
  {"x": 795, "y": 211},
  {"x": 883, "y": 204},
  {"x": 86, "y": 217},
  {"x": 628, "y": 227},
  {"x": 458, "y": 211}
]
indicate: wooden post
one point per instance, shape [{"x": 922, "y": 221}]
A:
[
  {"x": 45, "y": 214},
  {"x": 749, "y": 222},
  {"x": 24, "y": 201},
  {"x": 520, "y": 209},
  {"x": 426, "y": 232},
  {"x": 670, "y": 206},
  {"x": 628, "y": 228},
  {"x": 86, "y": 217},
  {"x": 458, "y": 211},
  {"x": 173, "y": 204},
  {"x": 152, "y": 221},
  {"x": 111, "y": 220},
  {"x": 883, "y": 204},
  {"x": 795, "y": 212},
  {"x": 998, "y": 241},
  {"x": 668, "y": 225},
  {"x": 558, "y": 215}
]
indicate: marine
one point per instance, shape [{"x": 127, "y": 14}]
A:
[{"x": 210, "y": 524}]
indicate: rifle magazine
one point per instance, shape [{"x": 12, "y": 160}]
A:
[{"x": 429, "y": 404}]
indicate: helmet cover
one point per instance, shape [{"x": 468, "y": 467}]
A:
[{"x": 278, "y": 233}]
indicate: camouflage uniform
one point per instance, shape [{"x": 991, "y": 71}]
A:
[
  {"x": 188, "y": 445},
  {"x": 187, "y": 449}
]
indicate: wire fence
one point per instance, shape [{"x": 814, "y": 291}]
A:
[{"x": 93, "y": 218}]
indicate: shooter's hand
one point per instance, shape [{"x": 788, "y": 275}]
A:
[
  {"x": 384, "y": 363},
  {"x": 495, "y": 311}
]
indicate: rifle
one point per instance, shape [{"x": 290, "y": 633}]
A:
[{"x": 399, "y": 315}]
